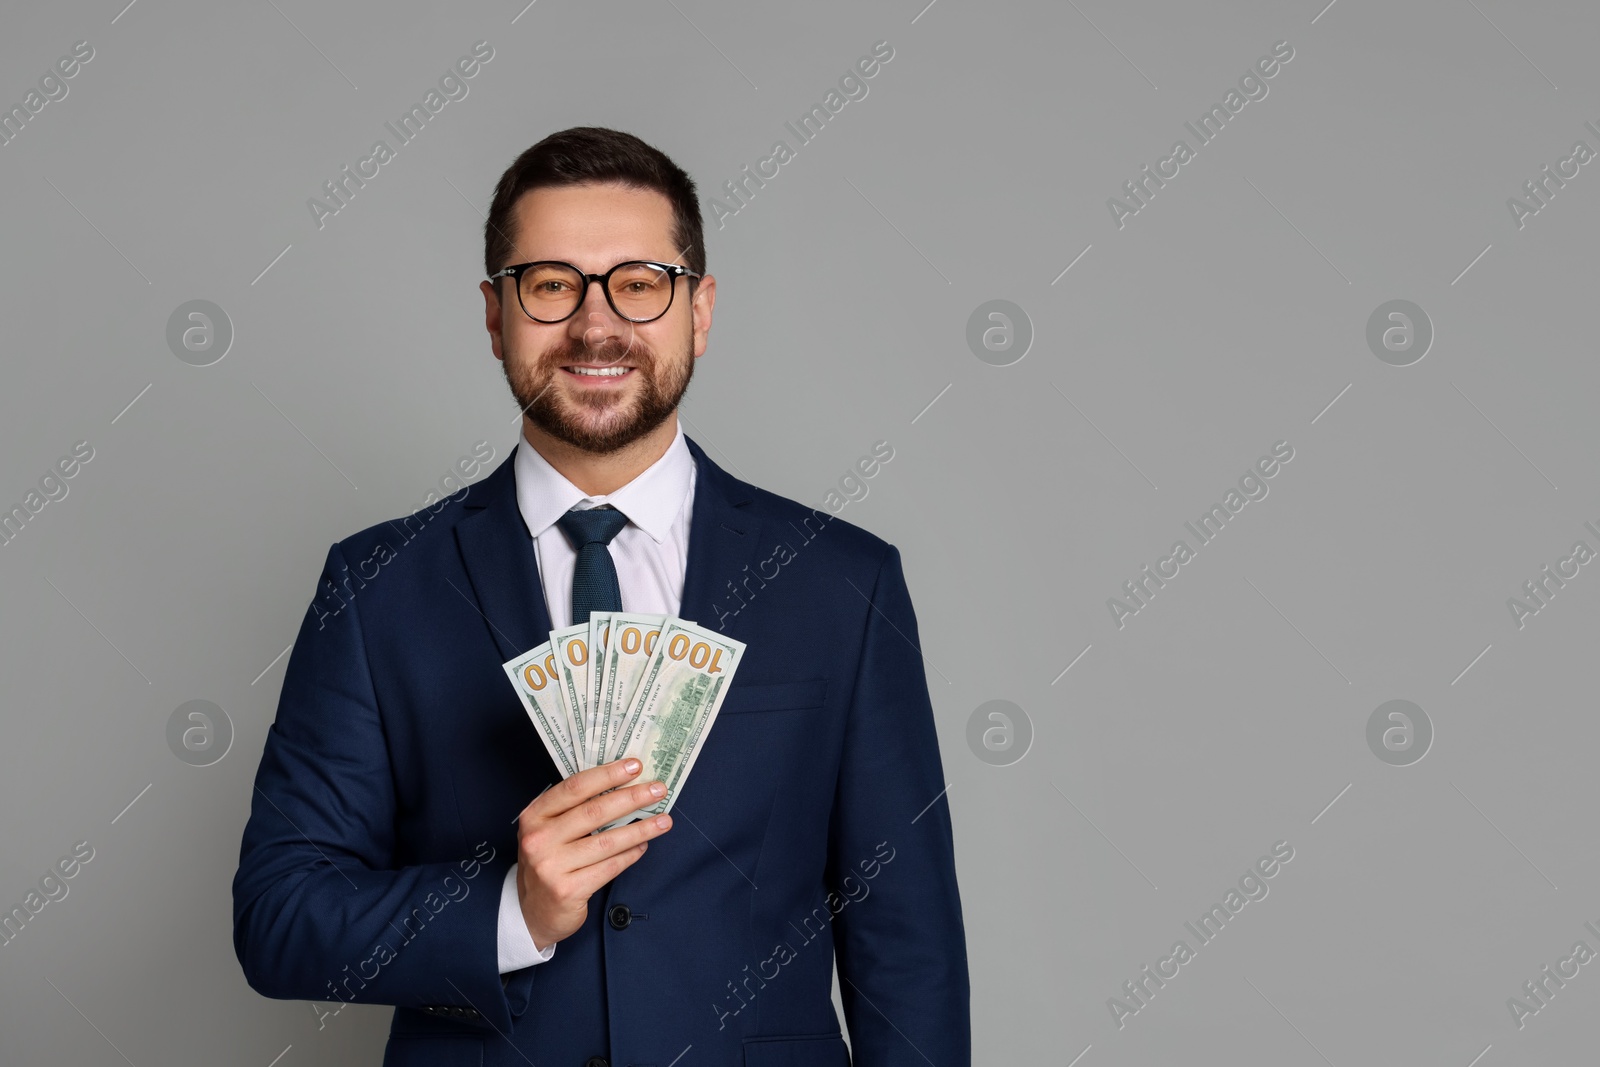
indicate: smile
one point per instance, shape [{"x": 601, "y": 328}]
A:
[{"x": 598, "y": 372}]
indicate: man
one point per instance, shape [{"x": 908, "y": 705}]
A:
[{"x": 410, "y": 840}]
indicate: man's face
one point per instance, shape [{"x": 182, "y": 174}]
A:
[{"x": 595, "y": 227}]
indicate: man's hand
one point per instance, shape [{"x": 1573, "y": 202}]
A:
[{"x": 561, "y": 863}]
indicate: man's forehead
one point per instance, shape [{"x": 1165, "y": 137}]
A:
[{"x": 594, "y": 226}]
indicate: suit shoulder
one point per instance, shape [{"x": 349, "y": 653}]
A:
[
  {"x": 437, "y": 515},
  {"x": 844, "y": 538},
  {"x": 421, "y": 528}
]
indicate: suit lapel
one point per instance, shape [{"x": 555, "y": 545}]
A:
[
  {"x": 498, "y": 555},
  {"x": 723, "y": 535}
]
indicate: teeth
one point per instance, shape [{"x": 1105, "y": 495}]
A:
[{"x": 600, "y": 372}]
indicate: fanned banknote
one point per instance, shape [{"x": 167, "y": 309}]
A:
[
  {"x": 677, "y": 701},
  {"x": 571, "y": 648},
  {"x": 533, "y": 676},
  {"x": 623, "y": 661},
  {"x": 599, "y": 630}
]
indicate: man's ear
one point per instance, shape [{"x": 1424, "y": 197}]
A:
[
  {"x": 705, "y": 298},
  {"x": 491, "y": 315}
]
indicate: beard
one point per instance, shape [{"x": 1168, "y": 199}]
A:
[{"x": 598, "y": 421}]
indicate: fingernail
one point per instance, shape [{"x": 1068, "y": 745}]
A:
[
  {"x": 663, "y": 821},
  {"x": 657, "y": 789},
  {"x": 631, "y": 765}
]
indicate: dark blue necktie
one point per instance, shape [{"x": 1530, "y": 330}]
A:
[{"x": 594, "y": 577}]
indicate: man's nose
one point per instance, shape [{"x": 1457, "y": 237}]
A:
[
  {"x": 596, "y": 324},
  {"x": 596, "y": 311}
]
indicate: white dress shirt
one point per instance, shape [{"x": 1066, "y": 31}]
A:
[{"x": 651, "y": 554}]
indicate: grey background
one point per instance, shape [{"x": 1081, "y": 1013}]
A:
[{"x": 1227, "y": 315}]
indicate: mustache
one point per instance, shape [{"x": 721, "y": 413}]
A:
[{"x": 577, "y": 353}]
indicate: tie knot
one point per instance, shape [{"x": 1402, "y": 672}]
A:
[{"x": 596, "y": 525}]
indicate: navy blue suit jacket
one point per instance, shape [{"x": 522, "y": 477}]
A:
[{"x": 383, "y": 818}]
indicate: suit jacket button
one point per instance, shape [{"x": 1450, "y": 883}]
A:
[
  {"x": 430, "y": 1009},
  {"x": 596, "y": 1061},
  {"x": 619, "y": 917}
]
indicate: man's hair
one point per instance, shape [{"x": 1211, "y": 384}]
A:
[{"x": 593, "y": 154}]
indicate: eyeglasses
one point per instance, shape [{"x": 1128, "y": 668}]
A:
[{"x": 551, "y": 291}]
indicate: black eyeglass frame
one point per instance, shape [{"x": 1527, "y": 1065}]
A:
[{"x": 516, "y": 270}]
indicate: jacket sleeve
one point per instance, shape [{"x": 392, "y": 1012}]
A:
[
  {"x": 320, "y": 912},
  {"x": 900, "y": 940}
]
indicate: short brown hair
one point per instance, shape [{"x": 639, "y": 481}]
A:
[{"x": 591, "y": 154}]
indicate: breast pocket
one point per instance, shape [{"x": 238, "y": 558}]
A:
[
  {"x": 764, "y": 733},
  {"x": 775, "y": 696}
]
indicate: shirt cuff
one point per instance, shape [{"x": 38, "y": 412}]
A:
[{"x": 513, "y": 941}]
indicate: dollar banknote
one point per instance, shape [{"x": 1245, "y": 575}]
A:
[
  {"x": 571, "y": 648},
  {"x": 623, "y": 663},
  {"x": 599, "y": 631},
  {"x": 678, "y": 697},
  {"x": 533, "y": 675}
]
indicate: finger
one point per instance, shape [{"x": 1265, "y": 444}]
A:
[
  {"x": 597, "y": 848},
  {"x": 579, "y": 823},
  {"x": 588, "y": 880},
  {"x": 527, "y": 812},
  {"x": 596, "y": 812},
  {"x": 588, "y": 863},
  {"x": 573, "y": 791},
  {"x": 569, "y": 856}
]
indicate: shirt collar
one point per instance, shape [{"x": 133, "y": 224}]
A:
[{"x": 652, "y": 501}]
